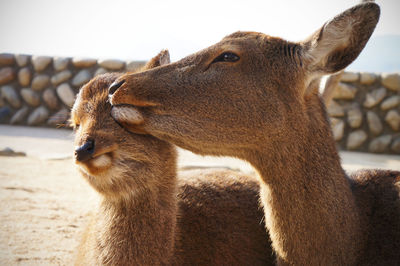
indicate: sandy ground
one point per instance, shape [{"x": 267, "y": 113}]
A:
[{"x": 44, "y": 204}]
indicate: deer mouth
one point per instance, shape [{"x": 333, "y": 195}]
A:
[{"x": 99, "y": 162}]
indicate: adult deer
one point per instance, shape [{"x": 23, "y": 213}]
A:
[{"x": 252, "y": 96}]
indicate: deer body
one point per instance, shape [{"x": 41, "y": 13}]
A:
[
  {"x": 119, "y": 232},
  {"x": 304, "y": 217},
  {"x": 149, "y": 216},
  {"x": 254, "y": 97}
]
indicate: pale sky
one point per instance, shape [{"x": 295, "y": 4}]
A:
[{"x": 139, "y": 29}]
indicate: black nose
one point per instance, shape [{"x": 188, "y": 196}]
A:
[
  {"x": 113, "y": 87},
  {"x": 85, "y": 151}
]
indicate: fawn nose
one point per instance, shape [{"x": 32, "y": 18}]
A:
[
  {"x": 113, "y": 87},
  {"x": 85, "y": 151}
]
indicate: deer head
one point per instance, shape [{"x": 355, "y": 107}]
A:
[
  {"x": 113, "y": 160},
  {"x": 249, "y": 90}
]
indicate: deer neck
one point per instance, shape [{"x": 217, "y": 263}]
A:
[
  {"x": 309, "y": 208},
  {"x": 140, "y": 230}
]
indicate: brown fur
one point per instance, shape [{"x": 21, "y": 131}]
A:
[
  {"x": 147, "y": 215},
  {"x": 260, "y": 108}
]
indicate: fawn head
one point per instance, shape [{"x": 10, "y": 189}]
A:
[
  {"x": 114, "y": 161},
  {"x": 248, "y": 90}
]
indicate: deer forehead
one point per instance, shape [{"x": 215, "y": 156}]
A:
[
  {"x": 243, "y": 40},
  {"x": 230, "y": 46}
]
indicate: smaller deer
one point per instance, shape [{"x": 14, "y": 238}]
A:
[{"x": 149, "y": 216}]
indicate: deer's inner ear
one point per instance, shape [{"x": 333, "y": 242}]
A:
[{"x": 339, "y": 42}]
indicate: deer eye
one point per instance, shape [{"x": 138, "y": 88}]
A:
[{"x": 227, "y": 57}]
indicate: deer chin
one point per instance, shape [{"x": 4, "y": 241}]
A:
[{"x": 96, "y": 165}]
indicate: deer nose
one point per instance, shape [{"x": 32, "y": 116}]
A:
[
  {"x": 113, "y": 87},
  {"x": 85, "y": 151}
]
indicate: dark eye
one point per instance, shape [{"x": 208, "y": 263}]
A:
[{"x": 227, "y": 57}]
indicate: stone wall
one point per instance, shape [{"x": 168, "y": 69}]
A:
[
  {"x": 40, "y": 90},
  {"x": 365, "y": 112}
]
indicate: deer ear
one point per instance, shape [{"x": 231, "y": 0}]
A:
[
  {"x": 340, "y": 40},
  {"x": 159, "y": 60}
]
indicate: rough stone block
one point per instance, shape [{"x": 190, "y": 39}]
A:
[
  {"x": 391, "y": 81},
  {"x": 344, "y": 91},
  {"x": 356, "y": 139},
  {"x": 40, "y": 63},
  {"x": 393, "y": 119},
  {"x": 380, "y": 144},
  {"x": 375, "y": 97},
  {"x": 374, "y": 123},
  {"x": 7, "y": 75}
]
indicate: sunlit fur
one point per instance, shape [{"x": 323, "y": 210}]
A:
[
  {"x": 261, "y": 109},
  {"x": 147, "y": 215}
]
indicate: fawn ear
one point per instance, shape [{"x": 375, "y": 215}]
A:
[
  {"x": 159, "y": 60},
  {"x": 340, "y": 40}
]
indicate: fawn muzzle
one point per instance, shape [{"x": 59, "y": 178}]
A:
[{"x": 85, "y": 151}]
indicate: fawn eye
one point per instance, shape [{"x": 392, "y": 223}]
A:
[{"x": 227, "y": 57}]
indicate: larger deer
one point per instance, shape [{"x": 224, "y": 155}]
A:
[{"x": 251, "y": 96}]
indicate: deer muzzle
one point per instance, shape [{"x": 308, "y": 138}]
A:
[{"x": 85, "y": 151}]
